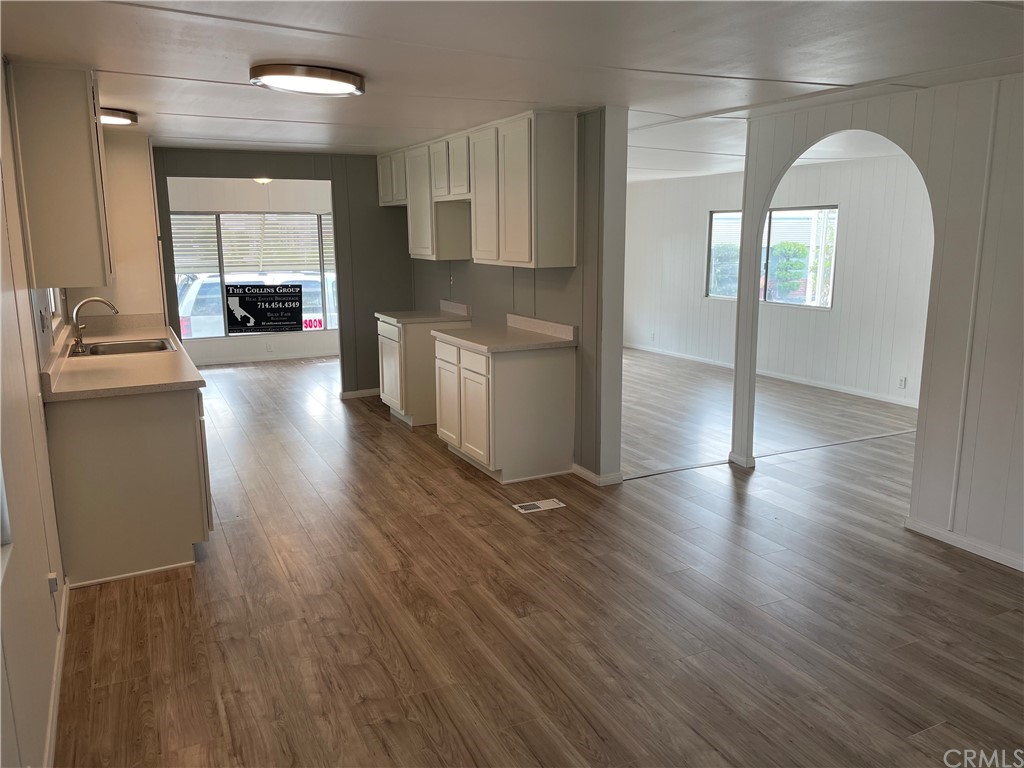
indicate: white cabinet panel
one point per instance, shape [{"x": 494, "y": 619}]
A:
[
  {"x": 60, "y": 151},
  {"x": 439, "y": 169},
  {"x": 448, "y": 417},
  {"x": 399, "y": 185},
  {"x": 483, "y": 172},
  {"x": 390, "y": 360},
  {"x": 385, "y": 189},
  {"x": 515, "y": 241},
  {"x": 458, "y": 165},
  {"x": 476, "y": 416},
  {"x": 421, "y": 203}
]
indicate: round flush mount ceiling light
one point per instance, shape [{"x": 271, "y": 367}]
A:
[
  {"x": 263, "y": 180},
  {"x": 118, "y": 117},
  {"x": 312, "y": 81}
]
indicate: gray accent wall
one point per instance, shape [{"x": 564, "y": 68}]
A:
[{"x": 371, "y": 243}]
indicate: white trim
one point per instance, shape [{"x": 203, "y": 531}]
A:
[
  {"x": 55, "y": 680},
  {"x": 612, "y": 478},
  {"x": 355, "y": 394},
  {"x": 747, "y": 462},
  {"x": 782, "y": 377},
  {"x": 998, "y": 554},
  {"x": 90, "y": 583}
]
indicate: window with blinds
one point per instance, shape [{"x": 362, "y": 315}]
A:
[
  {"x": 797, "y": 255},
  {"x": 211, "y": 249}
]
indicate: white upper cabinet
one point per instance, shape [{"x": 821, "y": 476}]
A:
[
  {"x": 398, "y": 178},
  {"x": 516, "y": 179},
  {"x": 385, "y": 189},
  {"x": 60, "y": 150},
  {"x": 391, "y": 183},
  {"x": 483, "y": 174},
  {"x": 458, "y": 165},
  {"x": 515, "y": 234},
  {"x": 439, "y": 169},
  {"x": 420, "y": 202}
]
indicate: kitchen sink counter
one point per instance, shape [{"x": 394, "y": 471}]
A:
[
  {"x": 448, "y": 311},
  {"x": 519, "y": 334},
  {"x": 90, "y": 376}
]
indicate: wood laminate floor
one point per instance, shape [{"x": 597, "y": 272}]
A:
[
  {"x": 678, "y": 413},
  {"x": 368, "y": 600}
]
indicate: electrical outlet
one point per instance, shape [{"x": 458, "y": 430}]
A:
[
  {"x": 901, "y": 382},
  {"x": 652, "y": 336},
  {"x": 270, "y": 347}
]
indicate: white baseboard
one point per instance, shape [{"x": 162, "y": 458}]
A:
[
  {"x": 783, "y": 377},
  {"x": 998, "y": 554},
  {"x": 741, "y": 461},
  {"x": 55, "y": 680},
  {"x": 355, "y": 394},
  {"x": 120, "y": 576},
  {"x": 612, "y": 478}
]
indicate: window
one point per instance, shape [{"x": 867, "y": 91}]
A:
[
  {"x": 797, "y": 255},
  {"x": 211, "y": 249}
]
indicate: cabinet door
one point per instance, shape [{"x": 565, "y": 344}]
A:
[
  {"x": 439, "y": 169},
  {"x": 475, "y": 403},
  {"x": 385, "y": 189},
  {"x": 458, "y": 165},
  {"x": 446, "y": 379},
  {"x": 515, "y": 231},
  {"x": 60, "y": 152},
  {"x": 483, "y": 174},
  {"x": 390, "y": 359},
  {"x": 421, "y": 203},
  {"x": 399, "y": 184}
]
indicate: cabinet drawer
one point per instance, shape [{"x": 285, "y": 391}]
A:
[
  {"x": 389, "y": 331},
  {"x": 447, "y": 352},
  {"x": 475, "y": 362}
]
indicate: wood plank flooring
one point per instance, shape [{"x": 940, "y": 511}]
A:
[
  {"x": 368, "y": 600},
  {"x": 678, "y": 413}
]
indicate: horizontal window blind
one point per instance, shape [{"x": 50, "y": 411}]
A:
[
  {"x": 270, "y": 242},
  {"x": 195, "y": 242}
]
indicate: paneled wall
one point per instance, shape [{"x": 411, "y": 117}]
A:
[{"x": 874, "y": 332}]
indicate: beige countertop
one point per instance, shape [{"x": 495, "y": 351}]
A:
[
  {"x": 518, "y": 335},
  {"x": 80, "y": 378},
  {"x": 419, "y": 316},
  {"x": 447, "y": 311}
]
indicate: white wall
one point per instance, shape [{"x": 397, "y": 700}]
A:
[
  {"x": 874, "y": 332},
  {"x": 137, "y": 288}
]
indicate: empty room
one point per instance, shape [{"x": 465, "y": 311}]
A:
[{"x": 621, "y": 384}]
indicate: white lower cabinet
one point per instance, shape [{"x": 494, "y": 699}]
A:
[
  {"x": 475, "y": 407},
  {"x": 390, "y": 360},
  {"x": 510, "y": 413},
  {"x": 446, "y": 379},
  {"x": 405, "y": 355},
  {"x": 131, "y": 482}
]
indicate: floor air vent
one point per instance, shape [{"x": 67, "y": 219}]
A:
[{"x": 537, "y": 506}]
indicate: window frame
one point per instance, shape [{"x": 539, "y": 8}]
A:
[
  {"x": 766, "y": 245},
  {"x": 220, "y": 265}
]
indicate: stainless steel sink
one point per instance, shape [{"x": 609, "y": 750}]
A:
[{"x": 126, "y": 347}]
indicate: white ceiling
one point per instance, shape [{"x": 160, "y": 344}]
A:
[{"x": 432, "y": 68}]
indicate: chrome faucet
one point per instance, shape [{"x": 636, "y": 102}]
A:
[{"x": 78, "y": 347}]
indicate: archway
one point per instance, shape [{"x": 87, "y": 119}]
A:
[{"x": 846, "y": 258}]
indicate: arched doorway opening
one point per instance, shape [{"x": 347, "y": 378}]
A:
[{"x": 843, "y": 286}]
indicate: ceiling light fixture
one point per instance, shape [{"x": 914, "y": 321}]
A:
[
  {"x": 263, "y": 180},
  {"x": 118, "y": 117},
  {"x": 312, "y": 81}
]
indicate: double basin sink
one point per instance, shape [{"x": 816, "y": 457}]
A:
[{"x": 125, "y": 347}]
